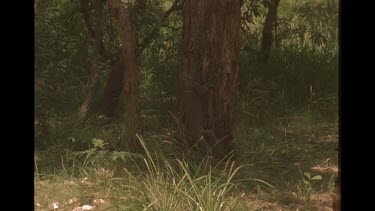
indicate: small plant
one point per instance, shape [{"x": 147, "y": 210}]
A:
[
  {"x": 94, "y": 155},
  {"x": 307, "y": 179},
  {"x": 99, "y": 155}
]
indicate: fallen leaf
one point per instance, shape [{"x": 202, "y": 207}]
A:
[{"x": 55, "y": 205}]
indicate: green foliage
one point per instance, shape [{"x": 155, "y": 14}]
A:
[
  {"x": 250, "y": 10},
  {"x": 61, "y": 53},
  {"x": 285, "y": 110},
  {"x": 99, "y": 155},
  {"x": 306, "y": 187},
  {"x": 94, "y": 155},
  {"x": 302, "y": 71}
]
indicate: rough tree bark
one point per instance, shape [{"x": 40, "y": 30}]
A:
[
  {"x": 94, "y": 62},
  {"x": 267, "y": 30},
  {"x": 210, "y": 52},
  {"x": 121, "y": 17}
]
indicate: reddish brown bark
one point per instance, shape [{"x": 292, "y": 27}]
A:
[
  {"x": 210, "y": 52},
  {"x": 121, "y": 17}
]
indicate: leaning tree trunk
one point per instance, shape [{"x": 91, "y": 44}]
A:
[
  {"x": 267, "y": 30},
  {"x": 94, "y": 62},
  {"x": 210, "y": 53},
  {"x": 113, "y": 89},
  {"x": 121, "y": 17},
  {"x": 114, "y": 82}
]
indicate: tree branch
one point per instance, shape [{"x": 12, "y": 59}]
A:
[
  {"x": 177, "y": 5},
  {"x": 84, "y": 4}
]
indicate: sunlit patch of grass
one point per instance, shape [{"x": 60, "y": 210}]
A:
[
  {"x": 155, "y": 181},
  {"x": 300, "y": 136},
  {"x": 67, "y": 193},
  {"x": 158, "y": 184},
  {"x": 174, "y": 185}
]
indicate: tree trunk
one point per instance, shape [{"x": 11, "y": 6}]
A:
[
  {"x": 121, "y": 17},
  {"x": 267, "y": 30},
  {"x": 115, "y": 79},
  {"x": 336, "y": 205},
  {"x": 210, "y": 52},
  {"x": 94, "y": 62},
  {"x": 113, "y": 89}
]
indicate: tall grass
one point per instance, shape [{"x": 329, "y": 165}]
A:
[
  {"x": 153, "y": 182},
  {"x": 283, "y": 112}
]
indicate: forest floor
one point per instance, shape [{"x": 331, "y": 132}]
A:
[
  {"x": 260, "y": 201},
  {"x": 302, "y": 175}
]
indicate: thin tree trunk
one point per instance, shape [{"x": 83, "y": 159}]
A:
[
  {"x": 94, "y": 63},
  {"x": 115, "y": 79},
  {"x": 129, "y": 40},
  {"x": 210, "y": 53},
  {"x": 267, "y": 30},
  {"x": 113, "y": 89}
]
